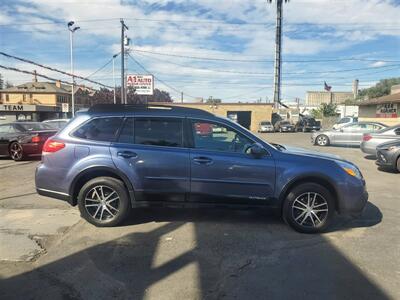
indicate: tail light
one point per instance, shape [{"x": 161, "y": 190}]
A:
[
  {"x": 53, "y": 146},
  {"x": 35, "y": 139},
  {"x": 367, "y": 137}
]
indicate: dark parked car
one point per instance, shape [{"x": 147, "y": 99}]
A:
[
  {"x": 20, "y": 140},
  {"x": 114, "y": 157},
  {"x": 284, "y": 126},
  {"x": 389, "y": 155},
  {"x": 307, "y": 124}
]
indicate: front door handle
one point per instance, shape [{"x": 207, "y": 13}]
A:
[
  {"x": 127, "y": 154},
  {"x": 203, "y": 160}
]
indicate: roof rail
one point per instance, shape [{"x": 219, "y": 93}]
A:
[{"x": 100, "y": 108}]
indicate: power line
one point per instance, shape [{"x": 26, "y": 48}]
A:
[
  {"x": 52, "y": 69},
  {"x": 101, "y": 68},
  {"x": 268, "y": 73},
  {"x": 260, "y": 60},
  {"x": 162, "y": 81},
  {"x": 34, "y": 73}
]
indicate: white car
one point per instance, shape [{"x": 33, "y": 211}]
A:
[
  {"x": 265, "y": 126},
  {"x": 344, "y": 121}
]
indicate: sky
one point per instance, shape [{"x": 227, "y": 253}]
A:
[{"x": 224, "y": 49}]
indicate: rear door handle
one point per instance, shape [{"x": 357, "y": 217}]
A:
[
  {"x": 203, "y": 160},
  {"x": 127, "y": 154}
]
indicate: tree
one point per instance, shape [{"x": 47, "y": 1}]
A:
[
  {"x": 212, "y": 100},
  {"x": 107, "y": 96},
  {"x": 382, "y": 88},
  {"x": 325, "y": 110}
]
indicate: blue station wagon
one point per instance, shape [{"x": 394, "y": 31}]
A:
[{"x": 113, "y": 158}]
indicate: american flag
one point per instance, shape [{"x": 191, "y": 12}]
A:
[{"x": 327, "y": 87}]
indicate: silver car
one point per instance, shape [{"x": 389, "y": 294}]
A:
[
  {"x": 371, "y": 140},
  {"x": 265, "y": 126},
  {"x": 350, "y": 134}
]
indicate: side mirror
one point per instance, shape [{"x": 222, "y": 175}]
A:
[
  {"x": 397, "y": 131},
  {"x": 256, "y": 150}
]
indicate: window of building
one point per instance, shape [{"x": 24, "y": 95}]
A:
[
  {"x": 7, "y": 98},
  {"x": 23, "y": 97},
  {"x": 158, "y": 131},
  {"x": 99, "y": 129},
  {"x": 217, "y": 137}
]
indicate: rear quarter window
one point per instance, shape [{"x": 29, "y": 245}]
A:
[{"x": 99, "y": 129}]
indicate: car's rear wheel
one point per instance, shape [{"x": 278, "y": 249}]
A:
[
  {"x": 309, "y": 208},
  {"x": 322, "y": 140},
  {"x": 16, "y": 151},
  {"x": 104, "y": 202}
]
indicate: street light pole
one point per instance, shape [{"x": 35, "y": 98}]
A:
[
  {"x": 114, "y": 56},
  {"x": 72, "y": 29}
]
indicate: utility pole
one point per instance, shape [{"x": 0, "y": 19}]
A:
[
  {"x": 181, "y": 97},
  {"x": 72, "y": 29},
  {"x": 278, "y": 53},
  {"x": 123, "y": 27}
]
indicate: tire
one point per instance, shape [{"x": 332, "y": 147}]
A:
[
  {"x": 108, "y": 214},
  {"x": 398, "y": 164},
  {"x": 322, "y": 140},
  {"x": 308, "y": 219},
  {"x": 16, "y": 151}
]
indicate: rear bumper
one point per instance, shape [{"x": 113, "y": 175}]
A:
[
  {"x": 54, "y": 194},
  {"x": 32, "y": 149},
  {"x": 367, "y": 149}
]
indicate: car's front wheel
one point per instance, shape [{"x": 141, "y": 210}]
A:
[
  {"x": 104, "y": 202},
  {"x": 309, "y": 208},
  {"x": 322, "y": 140}
]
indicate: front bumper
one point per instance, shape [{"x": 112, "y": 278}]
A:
[
  {"x": 287, "y": 129},
  {"x": 353, "y": 197},
  {"x": 385, "y": 160}
]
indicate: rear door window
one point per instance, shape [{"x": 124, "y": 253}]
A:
[
  {"x": 100, "y": 129},
  {"x": 166, "y": 132}
]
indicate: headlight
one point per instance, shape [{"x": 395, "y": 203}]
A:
[
  {"x": 392, "y": 148},
  {"x": 350, "y": 169}
]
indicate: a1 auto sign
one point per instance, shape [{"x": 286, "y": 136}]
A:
[
  {"x": 143, "y": 84},
  {"x": 387, "y": 110}
]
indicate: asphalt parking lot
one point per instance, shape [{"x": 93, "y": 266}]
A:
[{"x": 48, "y": 252}]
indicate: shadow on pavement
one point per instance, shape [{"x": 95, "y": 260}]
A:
[{"x": 228, "y": 254}]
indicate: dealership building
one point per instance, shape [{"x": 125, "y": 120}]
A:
[
  {"x": 249, "y": 115},
  {"x": 382, "y": 109}
]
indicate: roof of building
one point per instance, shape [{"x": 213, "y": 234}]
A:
[
  {"x": 393, "y": 98},
  {"x": 209, "y": 103},
  {"x": 39, "y": 87}
]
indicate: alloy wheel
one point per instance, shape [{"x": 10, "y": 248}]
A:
[
  {"x": 16, "y": 151},
  {"x": 310, "y": 209},
  {"x": 322, "y": 140},
  {"x": 102, "y": 203}
]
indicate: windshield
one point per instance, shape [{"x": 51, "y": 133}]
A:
[{"x": 35, "y": 126}]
